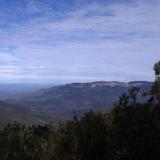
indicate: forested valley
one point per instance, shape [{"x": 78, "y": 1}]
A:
[{"x": 128, "y": 131}]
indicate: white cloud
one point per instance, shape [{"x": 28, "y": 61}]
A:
[
  {"x": 96, "y": 38},
  {"x": 7, "y": 58}
]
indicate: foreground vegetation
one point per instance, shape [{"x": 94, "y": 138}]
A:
[{"x": 130, "y": 131}]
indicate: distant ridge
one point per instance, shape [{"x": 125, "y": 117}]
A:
[
  {"x": 64, "y": 100},
  {"x": 102, "y": 84}
]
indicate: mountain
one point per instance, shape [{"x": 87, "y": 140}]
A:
[
  {"x": 65, "y": 100},
  {"x": 11, "y": 113}
]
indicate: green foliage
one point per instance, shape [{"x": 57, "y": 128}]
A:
[
  {"x": 136, "y": 131},
  {"x": 155, "y": 92},
  {"x": 123, "y": 133},
  {"x": 157, "y": 69},
  {"x": 133, "y": 93}
]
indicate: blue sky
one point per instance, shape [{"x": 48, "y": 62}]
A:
[{"x": 78, "y": 40}]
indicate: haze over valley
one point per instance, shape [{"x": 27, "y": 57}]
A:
[{"x": 32, "y": 104}]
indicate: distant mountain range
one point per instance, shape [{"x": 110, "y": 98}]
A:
[
  {"x": 103, "y": 84},
  {"x": 61, "y": 102}
]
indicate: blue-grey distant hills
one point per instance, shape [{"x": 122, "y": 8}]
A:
[
  {"x": 9, "y": 90},
  {"x": 65, "y": 100}
]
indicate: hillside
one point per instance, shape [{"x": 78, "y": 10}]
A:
[
  {"x": 63, "y": 101},
  {"x": 10, "y": 113}
]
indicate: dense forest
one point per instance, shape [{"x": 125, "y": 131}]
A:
[{"x": 128, "y": 131}]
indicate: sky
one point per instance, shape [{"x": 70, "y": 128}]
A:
[{"x": 45, "y": 41}]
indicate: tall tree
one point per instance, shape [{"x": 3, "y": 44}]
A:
[{"x": 156, "y": 86}]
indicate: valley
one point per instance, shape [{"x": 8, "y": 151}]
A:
[{"x": 62, "y": 102}]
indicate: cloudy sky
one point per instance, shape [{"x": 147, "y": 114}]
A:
[{"x": 78, "y": 40}]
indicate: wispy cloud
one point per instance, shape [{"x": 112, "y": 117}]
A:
[{"x": 88, "y": 42}]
